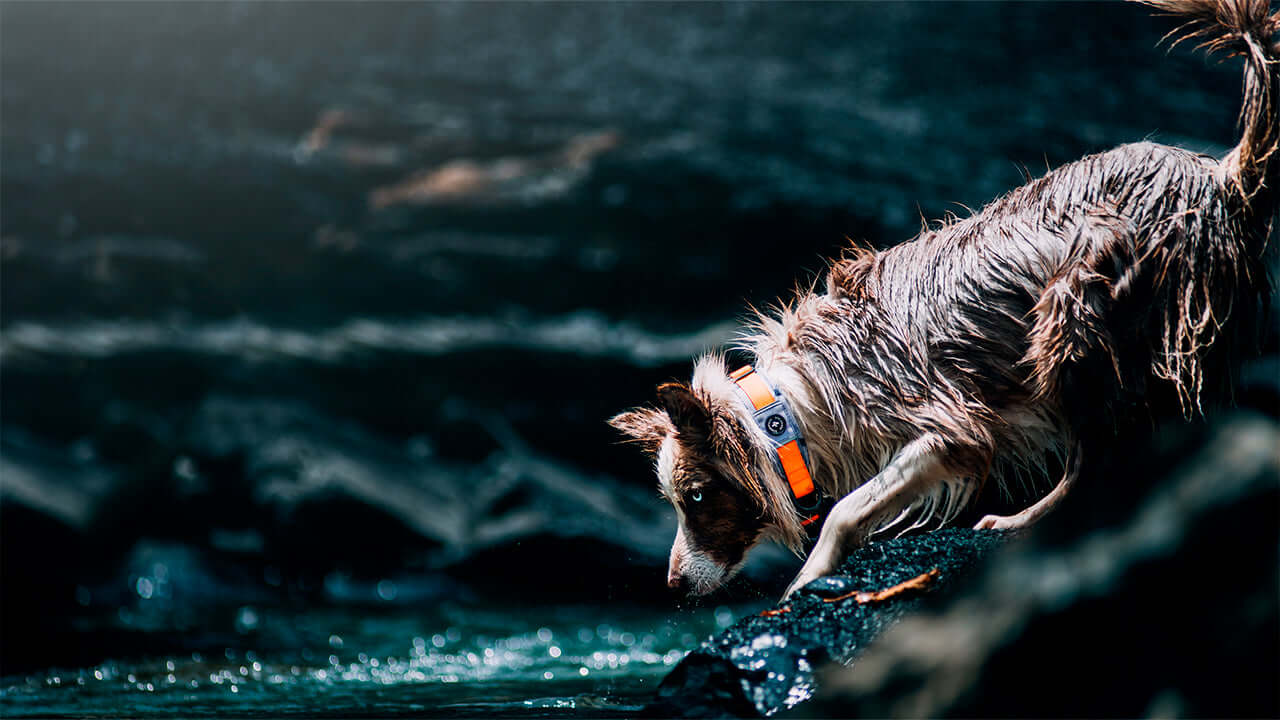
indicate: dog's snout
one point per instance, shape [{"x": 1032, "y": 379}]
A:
[
  {"x": 675, "y": 568},
  {"x": 675, "y": 579}
]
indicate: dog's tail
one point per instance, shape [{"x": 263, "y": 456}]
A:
[{"x": 1245, "y": 28}]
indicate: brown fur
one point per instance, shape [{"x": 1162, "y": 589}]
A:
[{"x": 714, "y": 462}]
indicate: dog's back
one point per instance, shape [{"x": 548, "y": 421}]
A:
[
  {"x": 1096, "y": 284},
  {"x": 1103, "y": 288}
]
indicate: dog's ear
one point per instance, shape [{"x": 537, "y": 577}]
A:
[
  {"x": 644, "y": 426},
  {"x": 712, "y": 431},
  {"x": 691, "y": 416}
]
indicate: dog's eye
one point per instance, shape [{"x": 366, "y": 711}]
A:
[{"x": 696, "y": 496}]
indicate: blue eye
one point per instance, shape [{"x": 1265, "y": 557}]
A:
[{"x": 696, "y": 496}]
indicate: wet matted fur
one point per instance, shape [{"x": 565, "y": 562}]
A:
[{"x": 981, "y": 349}]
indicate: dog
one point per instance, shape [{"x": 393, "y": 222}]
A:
[{"x": 984, "y": 349}]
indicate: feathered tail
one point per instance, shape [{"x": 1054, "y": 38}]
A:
[
  {"x": 1211, "y": 267},
  {"x": 1245, "y": 28}
]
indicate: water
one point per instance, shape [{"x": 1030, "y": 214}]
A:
[{"x": 447, "y": 660}]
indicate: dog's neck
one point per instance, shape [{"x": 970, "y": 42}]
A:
[
  {"x": 832, "y": 478},
  {"x": 772, "y": 413}
]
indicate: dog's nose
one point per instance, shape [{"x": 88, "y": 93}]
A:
[{"x": 675, "y": 580}]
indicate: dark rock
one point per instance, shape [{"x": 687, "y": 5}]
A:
[
  {"x": 765, "y": 663},
  {"x": 830, "y": 586}
]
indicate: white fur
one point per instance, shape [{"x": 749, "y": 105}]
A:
[
  {"x": 915, "y": 470},
  {"x": 666, "y": 462}
]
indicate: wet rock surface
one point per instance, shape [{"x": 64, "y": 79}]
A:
[{"x": 766, "y": 663}]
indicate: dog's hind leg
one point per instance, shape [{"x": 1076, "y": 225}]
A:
[
  {"x": 1071, "y": 316},
  {"x": 1031, "y": 515},
  {"x": 1071, "y": 352},
  {"x": 914, "y": 471}
]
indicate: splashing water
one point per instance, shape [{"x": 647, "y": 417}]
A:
[{"x": 450, "y": 660}]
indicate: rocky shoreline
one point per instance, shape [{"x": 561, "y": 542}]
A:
[{"x": 766, "y": 663}]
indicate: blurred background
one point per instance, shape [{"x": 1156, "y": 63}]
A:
[{"x": 311, "y": 314}]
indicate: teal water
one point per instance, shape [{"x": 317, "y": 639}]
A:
[{"x": 449, "y": 660}]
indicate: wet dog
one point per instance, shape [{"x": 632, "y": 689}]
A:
[{"x": 983, "y": 349}]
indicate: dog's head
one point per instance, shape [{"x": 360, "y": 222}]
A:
[{"x": 705, "y": 469}]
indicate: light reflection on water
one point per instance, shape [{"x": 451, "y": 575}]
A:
[{"x": 456, "y": 661}]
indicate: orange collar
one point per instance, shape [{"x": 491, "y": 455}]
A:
[{"x": 773, "y": 415}]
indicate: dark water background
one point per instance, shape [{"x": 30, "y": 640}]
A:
[{"x": 311, "y": 313}]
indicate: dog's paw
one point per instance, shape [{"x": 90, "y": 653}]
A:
[
  {"x": 800, "y": 581},
  {"x": 822, "y": 560},
  {"x": 810, "y": 572},
  {"x": 1001, "y": 522}
]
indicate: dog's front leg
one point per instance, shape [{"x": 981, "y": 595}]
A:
[{"x": 915, "y": 470}]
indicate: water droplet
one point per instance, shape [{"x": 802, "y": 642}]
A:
[
  {"x": 246, "y": 620},
  {"x": 335, "y": 641},
  {"x": 724, "y": 617},
  {"x": 830, "y": 586},
  {"x": 75, "y": 140},
  {"x": 144, "y": 588},
  {"x": 547, "y": 675},
  {"x": 544, "y": 634},
  {"x": 553, "y": 651},
  {"x": 386, "y": 590},
  {"x": 437, "y": 640},
  {"x": 583, "y": 671},
  {"x": 184, "y": 468}
]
